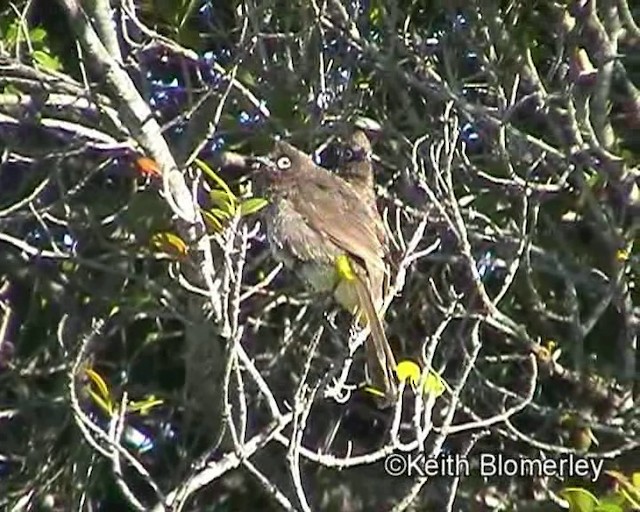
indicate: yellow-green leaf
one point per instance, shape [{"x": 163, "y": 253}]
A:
[
  {"x": 206, "y": 169},
  {"x": 628, "y": 487},
  {"x": 631, "y": 497},
  {"x": 373, "y": 391},
  {"x": 213, "y": 223},
  {"x": 253, "y": 205},
  {"x": 247, "y": 78},
  {"x": 170, "y": 243},
  {"x": 102, "y": 397},
  {"x": 222, "y": 199},
  {"x": 99, "y": 382},
  {"x": 609, "y": 507},
  {"x": 12, "y": 89},
  {"x": 47, "y": 61},
  {"x": 221, "y": 214},
  {"x": 105, "y": 405},
  {"x": 37, "y": 35},
  {"x": 580, "y": 500},
  {"x": 144, "y": 406},
  {"x": 434, "y": 385}
]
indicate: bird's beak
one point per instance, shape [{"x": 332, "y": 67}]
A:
[{"x": 258, "y": 162}]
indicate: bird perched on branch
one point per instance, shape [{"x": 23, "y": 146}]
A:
[
  {"x": 355, "y": 165},
  {"x": 319, "y": 226}
]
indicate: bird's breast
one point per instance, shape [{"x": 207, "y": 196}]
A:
[{"x": 299, "y": 247}]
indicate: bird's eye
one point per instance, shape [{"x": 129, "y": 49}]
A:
[
  {"x": 283, "y": 163},
  {"x": 348, "y": 154}
]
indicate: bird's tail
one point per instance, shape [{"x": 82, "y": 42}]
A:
[{"x": 381, "y": 364}]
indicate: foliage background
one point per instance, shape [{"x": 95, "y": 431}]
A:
[{"x": 152, "y": 353}]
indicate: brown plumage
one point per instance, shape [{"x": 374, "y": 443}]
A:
[
  {"x": 355, "y": 165},
  {"x": 356, "y": 168},
  {"x": 313, "y": 219}
]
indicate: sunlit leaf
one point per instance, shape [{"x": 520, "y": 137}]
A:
[
  {"x": 12, "y": 89},
  {"x": 622, "y": 255},
  {"x": 219, "y": 213},
  {"x": 628, "y": 487},
  {"x": 11, "y": 37},
  {"x": 223, "y": 200},
  {"x": 408, "y": 371},
  {"x": 615, "y": 500},
  {"x": 99, "y": 382},
  {"x": 46, "y": 60},
  {"x": 580, "y": 500},
  {"x": 37, "y": 35},
  {"x": 207, "y": 170},
  {"x": 252, "y": 205},
  {"x": 608, "y": 507},
  {"x": 212, "y": 221},
  {"x": 106, "y": 406},
  {"x": 434, "y": 385},
  {"x": 102, "y": 397},
  {"x": 373, "y": 391},
  {"x": 169, "y": 243},
  {"x": 144, "y": 406},
  {"x": 375, "y": 15}
]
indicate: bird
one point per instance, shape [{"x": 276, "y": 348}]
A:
[
  {"x": 355, "y": 167},
  {"x": 315, "y": 221}
]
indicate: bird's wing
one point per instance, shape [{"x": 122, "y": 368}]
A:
[
  {"x": 289, "y": 233},
  {"x": 332, "y": 208}
]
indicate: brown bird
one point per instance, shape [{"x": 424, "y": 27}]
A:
[
  {"x": 355, "y": 167},
  {"x": 314, "y": 221}
]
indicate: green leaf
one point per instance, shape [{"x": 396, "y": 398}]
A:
[
  {"x": 170, "y": 243},
  {"x": 12, "y": 89},
  {"x": 247, "y": 78},
  {"x": 205, "y": 168},
  {"x": 144, "y": 406},
  {"x": 608, "y": 507},
  {"x": 616, "y": 499},
  {"x": 252, "y": 205},
  {"x": 222, "y": 199},
  {"x": 38, "y": 35},
  {"x": 103, "y": 396},
  {"x": 627, "y": 487},
  {"x": 220, "y": 213},
  {"x": 214, "y": 223},
  {"x": 434, "y": 384},
  {"x": 47, "y": 61},
  {"x": 12, "y": 34},
  {"x": 375, "y": 15},
  {"x": 580, "y": 500}
]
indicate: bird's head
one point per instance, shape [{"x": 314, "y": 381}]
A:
[{"x": 279, "y": 168}]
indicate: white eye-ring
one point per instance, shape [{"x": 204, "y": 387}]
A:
[
  {"x": 348, "y": 154},
  {"x": 283, "y": 162}
]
